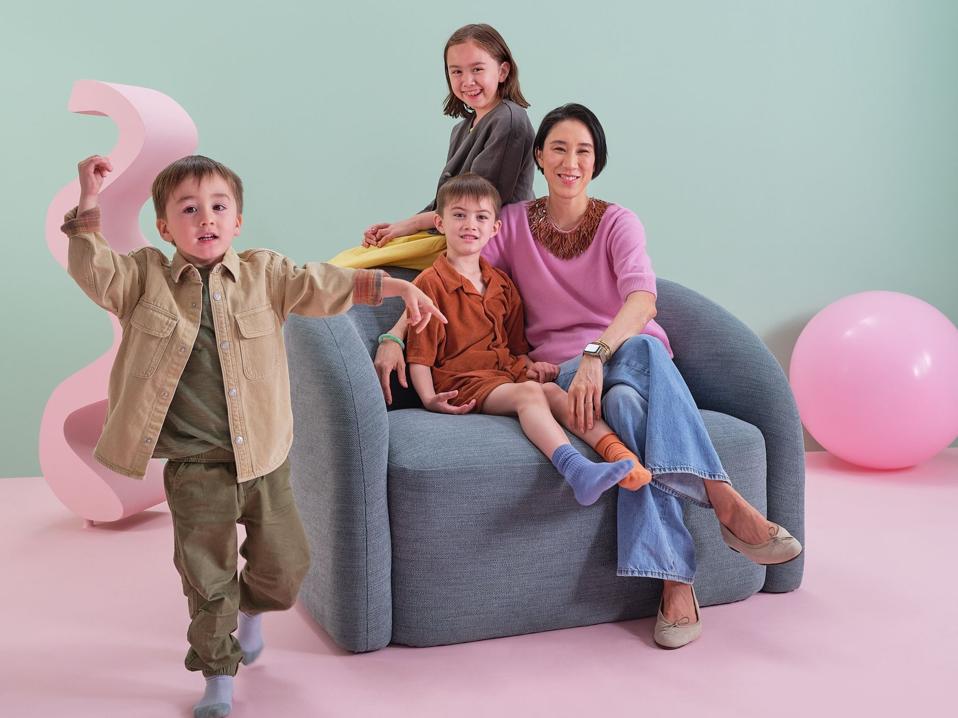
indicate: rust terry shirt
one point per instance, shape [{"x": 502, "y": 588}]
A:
[{"x": 480, "y": 347}]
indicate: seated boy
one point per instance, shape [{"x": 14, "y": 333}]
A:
[
  {"x": 480, "y": 361},
  {"x": 200, "y": 378}
]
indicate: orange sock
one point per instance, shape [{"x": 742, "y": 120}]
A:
[{"x": 611, "y": 448}]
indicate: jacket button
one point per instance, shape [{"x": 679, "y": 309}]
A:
[
  {"x": 239, "y": 440},
  {"x": 224, "y": 345},
  {"x": 217, "y": 296},
  {"x": 233, "y": 391}
]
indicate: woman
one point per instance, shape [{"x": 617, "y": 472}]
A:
[{"x": 589, "y": 290}]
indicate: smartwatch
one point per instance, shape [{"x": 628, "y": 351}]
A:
[{"x": 598, "y": 349}]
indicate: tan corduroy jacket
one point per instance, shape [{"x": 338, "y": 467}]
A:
[{"x": 159, "y": 303}]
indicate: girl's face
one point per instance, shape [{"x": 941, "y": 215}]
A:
[
  {"x": 474, "y": 76},
  {"x": 567, "y": 159}
]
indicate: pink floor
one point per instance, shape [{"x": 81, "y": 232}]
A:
[{"x": 92, "y": 623}]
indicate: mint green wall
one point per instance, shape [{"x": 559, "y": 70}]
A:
[{"x": 781, "y": 154}]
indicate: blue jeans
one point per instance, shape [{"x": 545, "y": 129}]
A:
[{"x": 647, "y": 404}]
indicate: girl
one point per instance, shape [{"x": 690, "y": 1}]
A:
[{"x": 493, "y": 140}]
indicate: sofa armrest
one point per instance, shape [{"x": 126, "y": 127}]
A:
[
  {"x": 338, "y": 474},
  {"x": 729, "y": 369}
]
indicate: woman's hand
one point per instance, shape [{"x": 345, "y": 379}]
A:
[
  {"x": 389, "y": 359},
  {"x": 585, "y": 394},
  {"x": 440, "y": 403},
  {"x": 542, "y": 371}
]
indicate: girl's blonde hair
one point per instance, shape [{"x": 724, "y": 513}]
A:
[{"x": 489, "y": 39}]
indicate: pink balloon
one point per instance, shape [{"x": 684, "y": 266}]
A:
[{"x": 875, "y": 376}]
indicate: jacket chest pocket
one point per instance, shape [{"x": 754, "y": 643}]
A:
[
  {"x": 148, "y": 334},
  {"x": 258, "y": 341}
]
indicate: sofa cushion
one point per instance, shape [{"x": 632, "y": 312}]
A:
[{"x": 488, "y": 540}]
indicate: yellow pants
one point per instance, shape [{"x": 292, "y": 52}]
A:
[{"x": 414, "y": 251}]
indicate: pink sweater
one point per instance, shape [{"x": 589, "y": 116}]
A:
[{"x": 569, "y": 303}]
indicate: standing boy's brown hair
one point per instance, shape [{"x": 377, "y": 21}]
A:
[
  {"x": 471, "y": 186},
  {"x": 195, "y": 167}
]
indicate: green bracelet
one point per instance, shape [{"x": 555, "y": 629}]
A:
[{"x": 392, "y": 338}]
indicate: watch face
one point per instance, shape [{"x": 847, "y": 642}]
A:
[{"x": 591, "y": 348}]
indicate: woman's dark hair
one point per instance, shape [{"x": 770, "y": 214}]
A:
[
  {"x": 489, "y": 39},
  {"x": 580, "y": 113}
]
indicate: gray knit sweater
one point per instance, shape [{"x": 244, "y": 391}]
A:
[{"x": 498, "y": 148}]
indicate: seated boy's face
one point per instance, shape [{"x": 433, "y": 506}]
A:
[
  {"x": 201, "y": 219},
  {"x": 468, "y": 224}
]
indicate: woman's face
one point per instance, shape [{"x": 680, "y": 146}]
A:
[{"x": 567, "y": 159}]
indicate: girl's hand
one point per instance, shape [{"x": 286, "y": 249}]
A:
[
  {"x": 440, "y": 403},
  {"x": 92, "y": 172},
  {"x": 389, "y": 359},
  {"x": 377, "y": 235},
  {"x": 585, "y": 394},
  {"x": 371, "y": 235},
  {"x": 542, "y": 371}
]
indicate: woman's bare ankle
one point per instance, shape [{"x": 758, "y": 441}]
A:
[{"x": 677, "y": 601}]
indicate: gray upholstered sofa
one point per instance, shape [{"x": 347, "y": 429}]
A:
[{"x": 429, "y": 529}]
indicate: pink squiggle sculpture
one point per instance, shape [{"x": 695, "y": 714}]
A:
[{"x": 154, "y": 131}]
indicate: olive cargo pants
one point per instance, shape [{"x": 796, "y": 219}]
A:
[{"x": 206, "y": 503}]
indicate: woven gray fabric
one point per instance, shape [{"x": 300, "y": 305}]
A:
[
  {"x": 728, "y": 369},
  {"x": 482, "y": 538},
  {"x": 338, "y": 475},
  {"x": 488, "y": 540}
]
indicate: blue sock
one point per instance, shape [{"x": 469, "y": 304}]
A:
[
  {"x": 217, "y": 700},
  {"x": 250, "y": 636},
  {"x": 587, "y": 479}
]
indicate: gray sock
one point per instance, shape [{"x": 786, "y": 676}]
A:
[
  {"x": 250, "y": 636},
  {"x": 217, "y": 699}
]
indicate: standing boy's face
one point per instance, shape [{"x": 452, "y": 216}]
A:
[
  {"x": 468, "y": 224},
  {"x": 201, "y": 219}
]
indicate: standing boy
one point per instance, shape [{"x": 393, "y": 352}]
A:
[{"x": 201, "y": 379}]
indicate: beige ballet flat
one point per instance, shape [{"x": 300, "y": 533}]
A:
[
  {"x": 781, "y": 547},
  {"x": 678, "y": 634}
]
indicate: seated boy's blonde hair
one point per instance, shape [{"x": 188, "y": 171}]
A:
[
  {"x": 195, "y": 167},
  {"x": 471, "y": 186}
]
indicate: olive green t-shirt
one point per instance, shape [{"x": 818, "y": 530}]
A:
[{"x": 198, "y": 421}]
